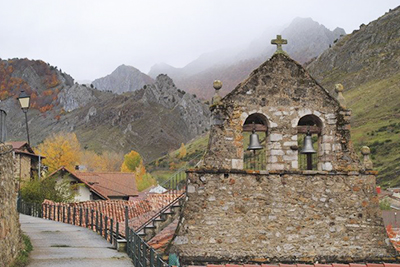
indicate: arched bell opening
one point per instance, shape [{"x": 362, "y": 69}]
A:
[
  {"x": 309, "y": 130},
  {"x": 255, "y": 130}
]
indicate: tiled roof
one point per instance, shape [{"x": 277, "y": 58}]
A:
[
  {"x": 23, "y": 147},
  {"x": 394, "y": 236},
  {"x": 161, "y": 240},
  {"x": 138, "y": 211},
  {"x": 106, "y": 184},
  {"x": 111, "y": 184},
  {"x": 305, "y": 265},
  {"x": 17, "y": 144}
]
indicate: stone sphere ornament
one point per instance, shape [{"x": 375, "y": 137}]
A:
[
  {"x": 338, "y": 87},
  {"x": 217, "y": 84},
  {"x": 365, "y": 150}
]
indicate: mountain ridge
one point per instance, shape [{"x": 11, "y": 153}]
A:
[
  {"x": 123, "y": 79},
  {"x": 236, "y": 66}
]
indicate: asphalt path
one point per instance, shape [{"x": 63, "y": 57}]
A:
[{"x": 59, "y": 244}]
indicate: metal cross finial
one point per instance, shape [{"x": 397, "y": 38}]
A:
[{"x": 279, "y": 42}]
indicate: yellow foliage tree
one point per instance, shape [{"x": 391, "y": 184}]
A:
[
  {"x": 60, "y": 149},
  {"x": 182, "y": 151},
  {"x": 133, "y": 163},
  {"x": 106, "y": 162}
]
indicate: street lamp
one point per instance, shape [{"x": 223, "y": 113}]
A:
[{"x": 24, "y": 100}]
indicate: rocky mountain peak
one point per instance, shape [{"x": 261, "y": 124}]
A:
[{"x": 123, "y": 79}]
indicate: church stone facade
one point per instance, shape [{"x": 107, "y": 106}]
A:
[{"x": 281, "y": 213}]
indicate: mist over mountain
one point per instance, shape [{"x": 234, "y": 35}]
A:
[
  {"x": 123, "y": 79},
  {"x": 306, "y": 40}
]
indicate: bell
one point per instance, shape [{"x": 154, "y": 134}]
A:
[
  {"x": 254, "y": 142},
  {"x": 308, "y": 146}
]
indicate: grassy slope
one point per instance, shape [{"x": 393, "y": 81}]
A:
[
  {"x": 376, "y": 123},
  {"x": 161, "y": 168}
]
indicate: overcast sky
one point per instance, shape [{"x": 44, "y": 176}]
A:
[{"x": 88, "y": 39}]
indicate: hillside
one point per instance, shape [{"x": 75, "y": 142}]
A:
[
  {"x": 307, "y": 39},
  {"x": 152, "y": 120},
  {"x": 366, "y": 62},
  {"x": 123, "y": 79}
]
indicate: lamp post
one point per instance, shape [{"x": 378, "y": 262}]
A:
[{"x": 24, "y": 101}]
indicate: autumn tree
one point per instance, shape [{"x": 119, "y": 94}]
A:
[
  {"x": 182, "y": 151},
  {"x": 60, "y": 149},
  {"x": 133, "y": 163},
  {"x": 105, "y": 162}
]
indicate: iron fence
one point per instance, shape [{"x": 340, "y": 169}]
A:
[
  {"x": 176, "y": 188},
  {"x": 141, "y": 253},
  {"x": 255, "y": 160},
  {"x": 91, "y": 219},
  {"x": 137, "y": 249}
]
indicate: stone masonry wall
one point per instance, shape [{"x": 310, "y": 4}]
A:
[
  {"x": 282, "y": 92},
  {"x": 9, "y": 219},
  {"x": 307, "y": 216}
]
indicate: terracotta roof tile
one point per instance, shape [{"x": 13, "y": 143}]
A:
[
  {"x": 161, "y": 240},
  {"x": 111, "y": 184},
  {"x": 375, "y": 265},
  {"x": 287, "y": 265},
  {"x": 308, "y": 265},
  {"x": 106, "y": 184},
  {"x": 17, "y": 144},
  {"x": 138, "y": 211},
  {"x": 340, "y": 265}
]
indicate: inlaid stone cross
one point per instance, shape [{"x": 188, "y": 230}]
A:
[{"x": 279, "y": 42}]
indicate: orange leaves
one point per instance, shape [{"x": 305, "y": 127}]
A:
[
  {"x": 182, "y": 151},
  {"x": 11, "y": 83},
  {"x": 61, "y": 149}
]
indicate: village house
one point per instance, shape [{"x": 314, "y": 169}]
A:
[
  {"x": 26, "y": 161},
  {"x": 99, "y": 185}
]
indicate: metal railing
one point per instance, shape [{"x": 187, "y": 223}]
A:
[
  {"x": 137, "y": 249},
  {"x": 141, "y": 253},
  {"x": 254, "y": 161},
  {"x": 91, "y": 219},
  {"x": 176, "y": 189}
]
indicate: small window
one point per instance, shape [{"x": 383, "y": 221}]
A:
[
  {"x": 309, "y": 138},
  {"x": 255, "y": 159}
]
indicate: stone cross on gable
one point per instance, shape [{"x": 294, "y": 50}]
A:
[{"x": 279, "y": 42}]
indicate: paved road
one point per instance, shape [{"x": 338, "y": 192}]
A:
[{"x": 58, "y": 244}]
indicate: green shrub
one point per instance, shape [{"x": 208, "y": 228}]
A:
[
  {"x": 35, "y": 191},
  {"x": 22, "y": 258}
]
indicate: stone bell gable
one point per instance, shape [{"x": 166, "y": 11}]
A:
[
  {"x": 280, "y": 93},
  {"x": 274, "y": 210}
]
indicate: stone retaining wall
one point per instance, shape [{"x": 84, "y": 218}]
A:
[
  {"x": 307, "y": 216},
  {"x": 10, "y": 234}
]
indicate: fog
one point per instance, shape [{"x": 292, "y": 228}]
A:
[{"x": 88, "y": 39}]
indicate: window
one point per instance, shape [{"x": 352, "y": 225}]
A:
[
  {"x": 309, "y": 127},
  {"x": 255, "y": 159}
]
